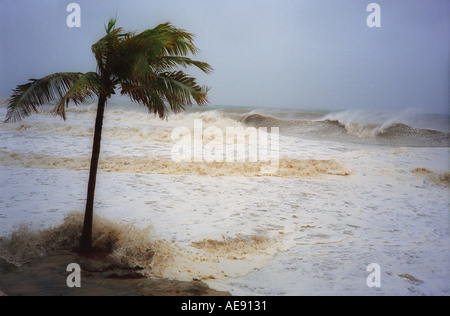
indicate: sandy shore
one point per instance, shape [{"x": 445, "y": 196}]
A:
[{"x": 100, "y": 276}]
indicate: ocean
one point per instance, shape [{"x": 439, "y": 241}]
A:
[{"x": 349, "y": 188}]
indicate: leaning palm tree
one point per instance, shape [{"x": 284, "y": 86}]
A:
[{"x": 145, "y": 66}]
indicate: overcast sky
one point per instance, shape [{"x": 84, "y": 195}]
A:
[{"x": 297, "y": 54}]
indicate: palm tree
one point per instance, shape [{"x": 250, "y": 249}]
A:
[{"x": 145, "y": 66}]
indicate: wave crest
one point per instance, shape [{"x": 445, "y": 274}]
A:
[{"x": 344, "y": 126}]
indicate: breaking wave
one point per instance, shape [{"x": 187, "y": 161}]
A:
[
  {"x": 389, "y": 130},
  {"x": 134, "y": 123},
  {"x": 343, "y": 127}
]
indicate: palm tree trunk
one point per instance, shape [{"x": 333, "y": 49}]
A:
[{"x": 86, "y": 237}]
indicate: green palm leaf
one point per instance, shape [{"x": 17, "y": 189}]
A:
[
  {"x": 176, "y": 88},
  {"x": 164, "y": 63},
  {"x": 145, "y": 65},
  {"x": 29, "y": 97},
  {"x": 179, "y": 86},
  {"x": 147, "y": 96},
  {"x": 86, "y": 87},
  {"x": 165, "y": 39}
]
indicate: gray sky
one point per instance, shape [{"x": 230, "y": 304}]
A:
[{"x": 297, "y": 54}]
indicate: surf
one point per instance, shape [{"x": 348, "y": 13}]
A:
[{"x": 359, "y": 126}]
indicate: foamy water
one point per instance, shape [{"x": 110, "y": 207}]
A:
[{"x": 349, "y": 192}]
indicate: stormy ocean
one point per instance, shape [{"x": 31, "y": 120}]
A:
[{"x": 350, "y": 188}]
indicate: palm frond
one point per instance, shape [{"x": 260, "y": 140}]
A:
[
  {"x": 29, "y": 97},
  {"x": 164, "y": 63},
  {"x": 88, "y": 86},
  {"x": 111, "y": 25},
  {"x": 176, "y": 88},
  {"x": 128, "y": 60},
  {"x": 147, "y": 96},
  {"x": 165, "y": 39},
  {"x": 106, "y": 50},
  {"x": 180, "y": 87},
  {"x": 147, "y": 65}
]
